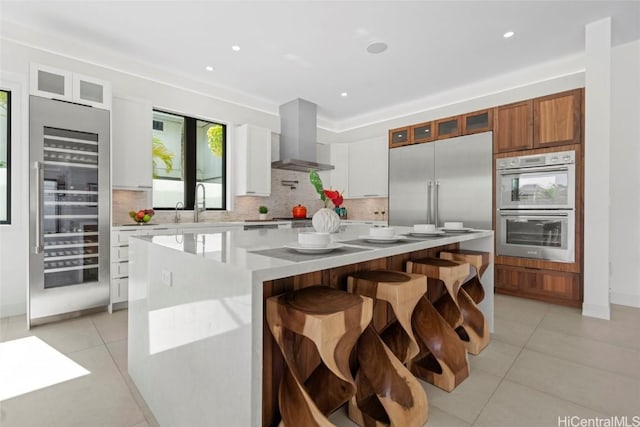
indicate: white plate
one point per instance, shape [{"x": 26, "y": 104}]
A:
[
  {"x": 307, "y": 250},
  {"x": 457, "y": 230},
  {"x": 427, "y": 233},
  {"x": 382, "y": 239}
]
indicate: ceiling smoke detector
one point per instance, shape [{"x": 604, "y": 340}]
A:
[{"x": 377, "y": 47}]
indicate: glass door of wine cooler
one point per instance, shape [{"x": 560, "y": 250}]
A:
[{"x": 69, "y": 208}]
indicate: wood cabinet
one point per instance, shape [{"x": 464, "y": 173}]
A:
[
  {"x": 557, "y": 119},
  {"x": 544, "y": 285},
  {"x": 478, "y": 121},
  {"x": 55, "y": 83},
  {"x": 399, "y": 137},
  {"x": 422, "y": 132},
  {"x": 513, "y": 127},
  {"x": 131, "y": 139},
  {"x": 253, "y": 161},
  {"x": 540, "y": 122},
  {"x": 448, "y": 128},
  {"x": 368, "y": 169}
]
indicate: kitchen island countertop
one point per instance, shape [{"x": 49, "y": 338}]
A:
[{"x": 196, "y": 313}]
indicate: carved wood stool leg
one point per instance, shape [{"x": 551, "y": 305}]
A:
[
  {"x": 387, "y": 393},
  {"x": 443, "y": 359},
  {"x": 332, "y": 320},
  {"x": 474, "y": 330}
]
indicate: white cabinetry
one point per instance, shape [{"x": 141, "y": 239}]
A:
[
  {"x": 131, "y": 136},
  {"x": 340, "y": 174},
  {"x": 253, "y": 161},
  {"x": 368, "y": 168},
  {"x": 54, "y": 83}
]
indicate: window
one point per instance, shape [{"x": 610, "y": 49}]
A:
[
  {"x": 188, "y": 152},
  {"x": 5, "y": 157}
]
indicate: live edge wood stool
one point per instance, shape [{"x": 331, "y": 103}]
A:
[
  {"x": 387, "y": 394},
  {"x": 332, "y": 320},
  {"x": 442, "y": 360},
  {"x": 474, "y": 331}
]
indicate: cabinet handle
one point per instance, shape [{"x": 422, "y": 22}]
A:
[
  {"x": 370, "y": 195},
  {"x": 251, "y": 192},
  {"x": 39, "y": 247}
]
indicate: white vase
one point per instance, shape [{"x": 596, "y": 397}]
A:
[
  {"x": 263, "y": 216},
  {"x": 326, "y": 221}
]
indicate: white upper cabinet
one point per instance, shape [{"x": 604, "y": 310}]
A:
[
  {"x": 54, "y": 83},
  {"x": 339, "y": 175},
  {"x": 253, "y": 161},
  {"x": 131, "y": 136},
  {"x": 368, "y": 169}
]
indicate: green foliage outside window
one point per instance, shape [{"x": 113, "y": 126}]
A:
[
  {"x": 214, "y": 135},
  {"x": 161, "y": 153}
]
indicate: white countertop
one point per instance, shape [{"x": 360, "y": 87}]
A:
[
  {"x": 234, "y": 248},
  {"x": 206, "y": 224}
]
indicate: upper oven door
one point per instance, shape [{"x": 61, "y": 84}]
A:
[
  {"x": 545, "y": 235},
  {"x": 544, "y": 187}
]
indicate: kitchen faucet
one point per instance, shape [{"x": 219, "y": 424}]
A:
[
  {"x": 176, "y": 218},
  {"x": 197, "y": 210}
]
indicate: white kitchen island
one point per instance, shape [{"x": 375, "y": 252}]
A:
[{"x": 195, "y": 348}]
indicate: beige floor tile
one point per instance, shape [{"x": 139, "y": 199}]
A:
[
  {"x": 626, "y": 316},
  {"x": 468, "y": 399},
  {"x": 118, "y": 350},
  {"x": 496, "y": 358},
  {"x": 440, "y": 418},
  {"x": 142, "y": 424},
  {"x": 511, "y": 331},
  {"x": 585, "y": 351},
  {"x": 596, "y": 389},
  {"x": 98, "y": 399},
  {"x": 13, "y": 328},
  {"x": 111, "y": 326},
  {"x": 521, "y": 310},
  {"x": 598, "y": 329},
  {"x": 516, "y": 405},
  {"x": 70, "y": 335},
  {"x": 340, "y": 418}
]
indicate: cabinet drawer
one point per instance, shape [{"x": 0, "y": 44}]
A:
[
  {"x": 121, "y": 236},
  {"x": 119, "y": 253},
  {"x": 119, "y": 290},
  {"x": 547, "y": 285},
  {"x": 119, "y": 269}
]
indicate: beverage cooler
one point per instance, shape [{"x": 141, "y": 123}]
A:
[{"x": 69, "y": 209}]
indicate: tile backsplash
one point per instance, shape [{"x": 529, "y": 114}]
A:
[{"x": 280, "y": 203}]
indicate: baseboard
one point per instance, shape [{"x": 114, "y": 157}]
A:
[
  {"x": 596, "y": 310},
  {"x": 8, "y": 310},
  {"x": 625, "y": 299}
]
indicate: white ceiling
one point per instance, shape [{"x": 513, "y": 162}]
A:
[{"x": 317, "y": 49}]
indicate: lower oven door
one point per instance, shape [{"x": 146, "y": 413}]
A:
[{"x": 543, "y": 234}]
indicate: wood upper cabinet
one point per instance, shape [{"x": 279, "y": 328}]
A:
[
  {"x": 557, "y": 119},
  {"x": 399, "y": 137},
  {"x": 448, "y": 128},
  {"x": 478, "y": 121},
  {"x": 513, "y": 127},
  {"x": 422, "y": 132}
]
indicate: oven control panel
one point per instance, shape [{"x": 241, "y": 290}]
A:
[{"x": 536, "y": 160}]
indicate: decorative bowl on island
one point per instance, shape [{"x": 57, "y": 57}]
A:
[{"x": 142, "y": 216}]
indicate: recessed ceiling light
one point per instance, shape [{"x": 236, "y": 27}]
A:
[
  {"x": 235, "y": 48},
  {"x": 343, "y": 94},
  {"x": 508, "y": 34},
  {"x": 377, "y": 47},
  {"x": 208, "y": 68}
]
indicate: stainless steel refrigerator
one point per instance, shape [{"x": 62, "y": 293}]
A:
[
  {"x": 69, "y": 203},
  {"x": 445, "y": 180}
]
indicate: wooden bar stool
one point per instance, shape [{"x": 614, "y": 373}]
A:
[
  {"x": 442, "y": 360},
  {"x": 332, "y": 320},
  {"x": 474, "y": 330},
  {"x": 387, "y": 393}
]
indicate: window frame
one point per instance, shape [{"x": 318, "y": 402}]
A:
[
  {"x": 190, "y": 160},
  {"x": 7, "y": 221}
]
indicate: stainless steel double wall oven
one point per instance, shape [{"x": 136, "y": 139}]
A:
[{"x": 535, "y": 199}]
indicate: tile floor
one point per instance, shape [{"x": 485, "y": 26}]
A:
[{"x": 543, "y": 362}]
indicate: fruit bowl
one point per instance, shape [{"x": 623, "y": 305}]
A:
[{"x": 142, "y": 216}]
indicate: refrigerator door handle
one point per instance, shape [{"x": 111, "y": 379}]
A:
[
  {"x": 429, "y": 187},
  {"x": 39, "y": 243},
  {"x": 436, "y": 202}
]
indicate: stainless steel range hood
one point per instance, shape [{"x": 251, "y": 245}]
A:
[{"x": 298, "y": 137}]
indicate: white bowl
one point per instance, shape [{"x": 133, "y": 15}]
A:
[
  {"x": 382, "y": 231},
  {"x": 453, "y": 225},
  {"x": 310, "y": 239},
  {"x": 424, "y": 228}
]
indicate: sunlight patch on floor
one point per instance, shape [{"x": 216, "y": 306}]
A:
[{"x": 29, "y": 364}]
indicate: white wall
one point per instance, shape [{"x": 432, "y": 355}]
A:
[{"x": 624, "y": 240}]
